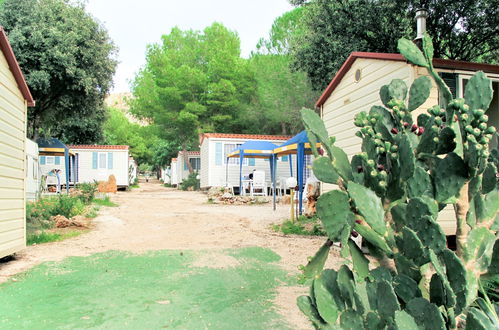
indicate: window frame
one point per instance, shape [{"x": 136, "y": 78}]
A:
[
  {"x": 99, "y": 154},
  {"x": 232, "y": 161}
]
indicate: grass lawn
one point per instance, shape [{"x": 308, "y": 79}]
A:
[{"x": 160, "y": 289}]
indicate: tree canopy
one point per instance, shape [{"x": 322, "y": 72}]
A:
[
  {"x": 68, "y": 61},
  {"x": 281, "y": 92},
  {"x": 192, "y": 82},
  {"x": 462, "y": 30}
]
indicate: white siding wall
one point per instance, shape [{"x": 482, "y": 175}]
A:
[
  {"x": 215, "y": 175},
  {"x": 174, "y": 173},
  {"x": 350, "y": 98},
  {"x": 12, "y": 163},
  {"x": 120, "y": 166},
  {"x": 206, "y": 158},
  {"x": 32, "y": 171}
]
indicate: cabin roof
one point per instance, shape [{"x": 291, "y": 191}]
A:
[
  {"x": 15, "y": 68},
  {"x": 242, "y": 136},
  {"x": 99, "y": 147},
  {"x": 437, "y": 63}
]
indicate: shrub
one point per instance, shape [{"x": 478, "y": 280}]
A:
[
  {"x": 302, "y": 226},
  {"x": 87, "y": 191},
  {"x": 69, "y": 206},
  {"x": 106, "y": 201},
  {"x": 391, "y": 195},
  {"x": 191, "y": 182}
]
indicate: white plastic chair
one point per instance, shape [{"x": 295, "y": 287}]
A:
[{"x": 259, "y": 186}]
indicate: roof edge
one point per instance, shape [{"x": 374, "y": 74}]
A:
[
  {"x": 437, "y": 63},
  {"x": 15, "y": 68}
]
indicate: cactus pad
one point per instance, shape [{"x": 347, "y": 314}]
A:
[
  {"x": 324, "y": 170},
  {"x": 419, "y": 92},
  {"x": 333, "y": 208},
  {"x": 450, "y": 176},
  {"x": 478, "y": 92},
  {"x": 369, "y": 206},
  {"x": 411, "y": 52}
]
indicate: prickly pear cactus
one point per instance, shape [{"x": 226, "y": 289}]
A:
[{"x": 391, "y": 194}]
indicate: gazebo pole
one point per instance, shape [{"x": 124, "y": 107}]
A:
[
  {"x": 290, "y": 165},
  {"x": 301, "y": 161},
  {"x": 241, "y": 158},
  {"x": 66, "y": 166},
  {"x": 273, "y": 165},
  {"x": 227, "y": 172}
]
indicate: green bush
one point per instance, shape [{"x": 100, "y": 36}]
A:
[
  {"x": 106, "y": 201},
  {"x": 69, "y": 206},
  {"x": 87, "y": 191},
  {"x": 190, "y": 182},
  {"x": 38, "y": 213},
  {"x": 302, "y": 226}
]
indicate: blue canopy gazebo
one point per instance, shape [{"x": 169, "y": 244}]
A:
[
  {"x": 252, "y": 149},
  {"x": 300, "y": 146},
  {"x": 54, "y": 147}
]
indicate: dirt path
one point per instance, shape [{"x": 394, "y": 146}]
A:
[{"x": 156, "y": 218}]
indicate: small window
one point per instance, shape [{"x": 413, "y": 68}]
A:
[
  {"x": 195, "y": 164},
  {"x": 358, "y": 75},
  {"x": 102, "y": 160},
  {"x": 50, "y": 160}
]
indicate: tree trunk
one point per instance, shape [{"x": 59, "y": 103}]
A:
[
  {"x": 462, "y": 229},
  {"x": 284, "y": 131},
  {"x": 186, "y": 160}
]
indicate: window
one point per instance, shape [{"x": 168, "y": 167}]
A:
[
  {"x": 102, "y": 160},
  {"x": 457, "y": 83},
  {"x": 50, "y": 160},
  {"x": 230, "y": 147},
  {"x": 195, "y": 164}
]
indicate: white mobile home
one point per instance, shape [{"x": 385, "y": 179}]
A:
[
  {"x": 355, "y": 88},
  {"x": 174, "y": 172},
  {"x": 15, "y": 97},
  {"x": 166, "y": 175},
  {"x": 52, "y": 158},
  {"x": 132, "y": 170},
  {"x": 32, "y": 171},
  {"x": 194, "y": 159},
  {"x": 214, "y": 150},
  {"x": 98, "y": 162}
]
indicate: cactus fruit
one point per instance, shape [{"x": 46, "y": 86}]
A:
[{"x": 391, "y": 195}]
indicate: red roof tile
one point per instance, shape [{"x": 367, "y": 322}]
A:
[
  {"x": 97, "y": 146},
  {"x": 437, "y": 63},
  {"x": 14, "y": 67},
  {"x": 243, "y": 136},
  {"x": 191, "y": 153}
]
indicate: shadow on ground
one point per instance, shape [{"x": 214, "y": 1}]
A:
[{"x": 219, "y": 289}]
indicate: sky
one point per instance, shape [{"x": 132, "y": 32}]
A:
[{"x": 133, "y": 24}]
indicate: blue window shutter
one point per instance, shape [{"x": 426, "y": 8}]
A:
[
  {"x": 109, "y": 160},
  {"x": 42, "y": 160},
  {"x": 251, "y": 161},
  {"x": 57, "y": 160},
  {"x": 284, "y": 158},
  {"x": 94, "y": 160},
  {"x": 185, "y": 165},
  {"x": 218, "y": 153}
]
